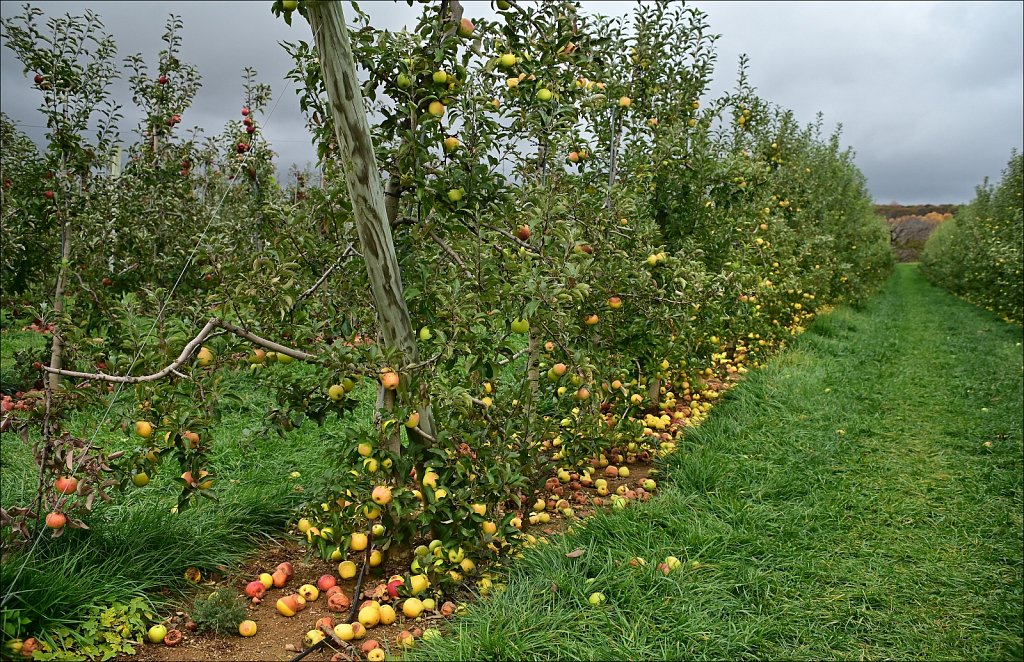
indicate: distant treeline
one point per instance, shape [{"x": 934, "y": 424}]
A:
[
  {"x": 895, "y": 211},
  {"x": 911, "y": 225}
]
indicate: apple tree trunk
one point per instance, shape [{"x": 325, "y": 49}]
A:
[{"x": 57, "y": 346}]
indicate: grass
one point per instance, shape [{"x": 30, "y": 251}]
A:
[
  {"x": 841, "y": 503},
  {"x": 15, "y": 343},
  {"x": 136, "y": 546}
]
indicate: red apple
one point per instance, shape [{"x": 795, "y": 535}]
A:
[
  {"x": 255, "y": 589},
  {"x": 326, "y": 582},
  {"x": 29, "y": 646},
  {"x": 65, "y": 484},
  {"x": 466, "y": 28},
  {"x": 338, "y": 602}
]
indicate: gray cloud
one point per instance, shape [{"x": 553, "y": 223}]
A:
[{"x": 929, "y": 94}]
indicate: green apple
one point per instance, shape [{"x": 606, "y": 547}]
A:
[
  {"x": 455, "y": 195},
  {"x": 425, "y": 334},
  {"x": 289, "y": 5},
  {"x": 404, "y": 81},
  {"x": 544, "y": 94},
  {"x": 157, "y": 633},
  {"x": 336, "y": 392},
  {"x": 440, "y": 77},
  {"x": 520, "y": 326},
  {"x": 596, "y": 599},
  {"x": 507, "y": 60}
]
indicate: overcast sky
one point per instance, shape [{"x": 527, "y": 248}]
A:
[{"x": 929, "y": 94}]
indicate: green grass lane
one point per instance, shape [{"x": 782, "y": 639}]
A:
[{"x": 859, "y": 497}]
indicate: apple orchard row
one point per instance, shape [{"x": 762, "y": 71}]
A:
[{"x": 592, "y": 248}]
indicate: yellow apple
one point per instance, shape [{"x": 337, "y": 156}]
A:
[
  {"x": 347, "y": 569},
  {"x": 204, "y": 357}
]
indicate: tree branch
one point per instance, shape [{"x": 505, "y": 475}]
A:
[
  {"x": 515, "y": 239},
  {"x": 421, "y": 364},
  {"x": 452, "y": 254},
  {"x": 426, "y": 436},
  {"x": 348, "y": 252},
  {"x": 186, "y": 353},
  {"x": 515, "y": 356}
]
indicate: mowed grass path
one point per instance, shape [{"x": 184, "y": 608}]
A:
[{"x": 842, "y": 503}]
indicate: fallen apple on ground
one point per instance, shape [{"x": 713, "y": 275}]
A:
[
  {"x": 157, "y": 633},
  {"x": 255, "y": 589},
  {"x": 412, "y": 608},
  {"x": 290, "y": 605}
]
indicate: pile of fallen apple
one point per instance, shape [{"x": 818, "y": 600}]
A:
[{"x": 382, "y": 607}]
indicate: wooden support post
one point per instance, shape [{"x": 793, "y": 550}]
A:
[{"x": 362, "y": 176}]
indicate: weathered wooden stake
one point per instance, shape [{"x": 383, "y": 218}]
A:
[{"x": 362, "y": 176}]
